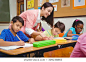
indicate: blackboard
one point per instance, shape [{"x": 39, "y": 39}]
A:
[{"x": 4, "y": 11}]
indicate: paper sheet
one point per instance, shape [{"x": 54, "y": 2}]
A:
[
  {"x": 15, "y": 47},
  {"x": 58, "y": 38}
]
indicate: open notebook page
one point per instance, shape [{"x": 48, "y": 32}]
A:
[{"x": 15, "y": 47}]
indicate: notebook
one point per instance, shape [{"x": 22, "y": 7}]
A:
[
  {"x": 15, "y": 47},
  {"x": 59, "y": 39}
]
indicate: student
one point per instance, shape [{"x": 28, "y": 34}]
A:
[
  {"x": 14, "y": 36},
  {"x": 31, "y": 17},
  {"x": 75, "y": 29},
  {"x": 80, "y": 47},
  {"x": 58, "y": 28}
]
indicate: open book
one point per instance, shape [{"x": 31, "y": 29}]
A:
[{"x": 15, "y": 47}]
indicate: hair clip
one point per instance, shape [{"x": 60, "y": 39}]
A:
[{"x": 77, "y": 20}]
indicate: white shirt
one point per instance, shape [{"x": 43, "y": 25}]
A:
[{"x": 29, "y": 30}]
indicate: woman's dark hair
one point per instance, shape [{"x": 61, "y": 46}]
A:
[
  {"x": 76, "y": 22},
  {"x": 49, "y": 19},
  {"x": 17, "y": 18},
  {"x": 60, "y": 25}
]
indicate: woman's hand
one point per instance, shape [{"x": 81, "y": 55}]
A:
[
  {"x": 45, "y": 38},
  {"x": 31, "y": 40},
  {"x": 42, "y": 35}
]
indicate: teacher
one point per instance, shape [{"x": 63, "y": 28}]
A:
[{"x": 31, "y": 17}]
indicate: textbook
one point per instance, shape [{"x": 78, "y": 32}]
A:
[
  {"x": 15, "y": 47},
  {"x": 59, "y": 39}
]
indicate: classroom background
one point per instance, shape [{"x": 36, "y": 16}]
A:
[{"x": 66, "y": 20}]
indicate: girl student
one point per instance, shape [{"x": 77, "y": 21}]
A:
[
  {"x": 14, "y": 36},
  {"x": 31, "y": 17},
  {"x": 76, "y": 28},
  {"x": 58, "y": 28}
]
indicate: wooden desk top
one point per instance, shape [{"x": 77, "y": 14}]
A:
[
  {"x": 24, "y": 50},
  {"x": 30, "y": 49}
]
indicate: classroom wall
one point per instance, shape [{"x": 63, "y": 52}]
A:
[{"x": 67, "y": 21}]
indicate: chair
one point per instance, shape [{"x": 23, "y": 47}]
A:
[{"x": 63, "y": 52}]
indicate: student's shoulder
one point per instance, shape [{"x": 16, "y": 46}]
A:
[
  {"x": 72, "y": 28},
  {"x": 20, "y": 32},
  {"x": 5, "y": 30}
]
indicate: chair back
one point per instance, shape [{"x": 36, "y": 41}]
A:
[{"x": 63, "y": 52}]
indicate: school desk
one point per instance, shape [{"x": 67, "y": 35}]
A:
[{"x": 31, "y": 49}]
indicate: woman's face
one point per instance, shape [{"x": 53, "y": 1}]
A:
[
  {"x": 56, "y": 31},
  {"x": 79, "y": 28},
  {"x": 47, "y": 11}
]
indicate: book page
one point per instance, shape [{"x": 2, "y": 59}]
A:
[{"x": 15, "y": 47}]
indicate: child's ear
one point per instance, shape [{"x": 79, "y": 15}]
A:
[
  {"x": 11, "y": 22},
  {"x": 75, "y": 26}
]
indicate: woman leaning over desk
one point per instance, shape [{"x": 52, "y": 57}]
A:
[{"x": 31, "y": 17}]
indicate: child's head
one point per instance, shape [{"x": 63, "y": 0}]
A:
[
  {"x": 78, "y": 25},
  {"x": 47, "y": 10},
  {"x": 59, "y": 27},
  {"x": 16, "y": 23}
]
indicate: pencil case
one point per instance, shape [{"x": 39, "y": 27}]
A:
[
  {"x": 43, "y": 43},
  {"x": 60, "y": 40}
]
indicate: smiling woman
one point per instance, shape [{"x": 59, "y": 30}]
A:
[{"x": 31, "y": 17}]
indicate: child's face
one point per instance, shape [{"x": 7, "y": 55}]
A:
[
  {"x": 79, "y": 28},
  {"x": 56, "y": 31},
  {"x": 16, "y": 26},
  {"x": 47, "y": 11}
]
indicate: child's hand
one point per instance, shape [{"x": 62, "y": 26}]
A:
[
  {"x": 80, "y": 34},
  {"x": 51, "y": 37},
  {"x": 20, "y": 43},
  {"x": 31, "y": 40}
]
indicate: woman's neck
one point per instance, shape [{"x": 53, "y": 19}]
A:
[
  {"x": 41, "y": 14},
  {"x": 12, "y": 31}
]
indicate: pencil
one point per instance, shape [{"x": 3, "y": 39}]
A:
[{"x": 18, "y": 37}]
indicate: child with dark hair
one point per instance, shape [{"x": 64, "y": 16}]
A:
[
  {"x": 75, "y": 29},
  {"x": 58, "y": 28},
  {"x": 14, "y": 36}
]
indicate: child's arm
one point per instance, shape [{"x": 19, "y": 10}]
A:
[
  {"x": 69, "y": 34},
  {"x": 6, "y": 43}
]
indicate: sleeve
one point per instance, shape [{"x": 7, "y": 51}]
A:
[
  {"x": 46, "y": 33},
  {"x": 29, "y": 31},
  {"x": 3, "y": 35},
  {"x": 23, "y": 36},
  {"x": 30, "y": 20},
  {"x": 71, "y": 29},
  {"x": 83, "y": 45}
]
